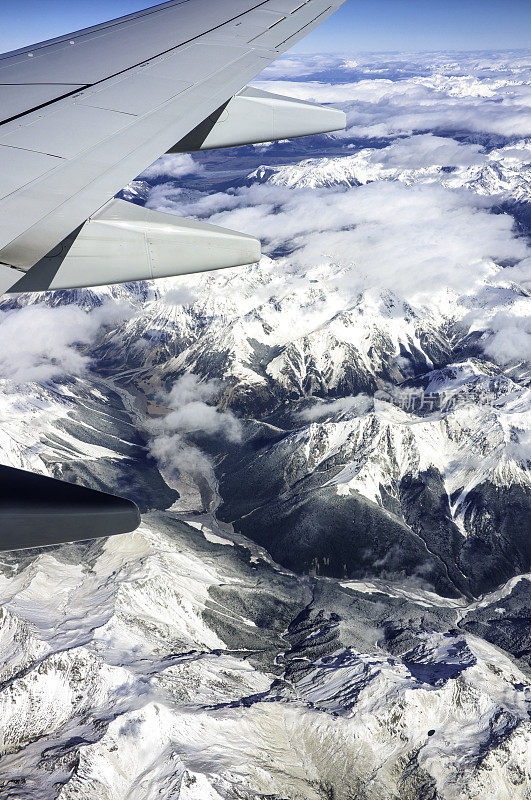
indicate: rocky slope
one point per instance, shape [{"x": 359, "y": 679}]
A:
[
  {"x": 503, "y": 172},
  {"x": 81, "y": 431},
  {"x": 181, "y": 661}
]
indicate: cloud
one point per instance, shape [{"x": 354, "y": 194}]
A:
[
  {"x": 519, "y": 273},
  {"x": 426, "y": 150},
  {"x": 388, "y": 118},
  {"x": 418, "y": 97},
  {"x": 198, "y": 416},
  {"x": 498, "y": 65},
  {"x": 509, "y": 338},
  {"x": 176, "y": 456},
  {"x": 357, "y": 404},
  {"x": 521, "y": 447},
  {"x": 182, "y": 296},
  {"x": 189, "y": 389},
  {"x": 190, "y": 401},
  {"x": 172, "y": 166},
  {"x": 419, "y": 240},
  {"x": 170, "y": 197},
  {"x": 303, "y": 65},
  {"x": 502, "y": 311},
  {"x": 314, "y": 91},
  {"x": 42, "y": 343}
]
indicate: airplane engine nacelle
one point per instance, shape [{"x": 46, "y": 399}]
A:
[{"x": 255, "y": 116}]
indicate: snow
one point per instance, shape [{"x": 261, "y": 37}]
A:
[{"x": 504, "y": 171}]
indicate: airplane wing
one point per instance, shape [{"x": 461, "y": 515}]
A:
[{"x": 84, "y": 114}]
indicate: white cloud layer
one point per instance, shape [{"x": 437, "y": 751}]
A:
[
  {"x": 415, "y": 240},
  {"x": 41, "y": 343},
  {"x": 427, "y": 150},
  {"x": 509, "y": 338},
  {"x": 439, "y": 112},
  {"x": 429, "y": 92},
  {"x": 172, "y": 166},
  {"x": 191, "y": 410}
]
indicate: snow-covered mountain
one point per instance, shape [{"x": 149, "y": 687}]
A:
[
  {"x": 181, "y": 661},
  {"x": 358, "y": 415},
  {"x": 504, "y": 172},
  {"x": 329, "y": 593}
]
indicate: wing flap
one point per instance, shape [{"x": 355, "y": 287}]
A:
[
  {"x": 16, "y": 99},
  {"x": 136, "y": 96},
  {"x": 68, "y": 131},
  {"x": 295, "y": 23},
  {"x": 285, "y": 6},
  {"x": 8, "y": 277},
  {"x": 20, "y": 167},
  {"x": 201, "y": 60}
]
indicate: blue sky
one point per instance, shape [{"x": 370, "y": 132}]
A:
[{"x": 359, "y": 25}]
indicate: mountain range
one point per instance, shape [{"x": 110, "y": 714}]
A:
[{"x": 329, "y": 593}]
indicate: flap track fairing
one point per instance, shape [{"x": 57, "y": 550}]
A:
[
  {"x": 124, "y": 242},
  {"x": 255, "y": 116},
  {"x": 37, "y": 511}
]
